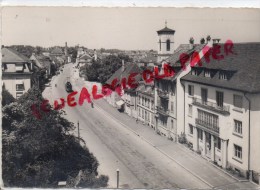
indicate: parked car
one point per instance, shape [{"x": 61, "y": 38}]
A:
[{"x": 68, "y": 87}]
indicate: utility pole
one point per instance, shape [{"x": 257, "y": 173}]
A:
[{"x": 78, "y": 132}]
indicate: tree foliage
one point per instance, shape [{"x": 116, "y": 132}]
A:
[
  {"x": 7, "y": 98},
  {"x": 102, "y": 70},
  {"x": 39, "y": 153}
]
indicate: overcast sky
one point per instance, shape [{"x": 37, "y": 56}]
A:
[{"x": 124, "y": 28}]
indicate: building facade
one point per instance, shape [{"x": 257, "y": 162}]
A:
[
  {"x": 221, "y": 108},
  {"x": 145, "y": 104},
  {"x": 16, "y": 72}
]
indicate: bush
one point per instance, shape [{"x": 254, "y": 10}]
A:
[
  {"x": 182, "y": 138},
  {"x": 7, "y": 97}
]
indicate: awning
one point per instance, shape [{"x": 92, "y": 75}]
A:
[
  {"x": 120, "y": 103},
  {"x": 19, "y": 82}
]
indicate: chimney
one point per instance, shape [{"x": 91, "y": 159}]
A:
[
  {"x": 191, "y": 42},
  {"x": 215, "y": 41},
  {"x": 123, "y": 65}
]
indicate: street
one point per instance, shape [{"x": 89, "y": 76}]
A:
[{"x": 141, "y": 165}]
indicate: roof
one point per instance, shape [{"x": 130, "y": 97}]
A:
[
  {"x": 174, "y": 59},
  {"x": 85, "y": 56},
  {"x": 150, "y": 58},
  {"x": 243, "y": 67},
  {"x": 129, "y": 69},
  {"x": 166, "y": 31},
  {"x": 57, "y": 50},
  {"x": 147, "y": 89},
  {"x": 12, "y": 56},
  {"x": 41, "y": 61}
]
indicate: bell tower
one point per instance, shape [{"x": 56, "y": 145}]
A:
[{"x": 165, "y": 42}]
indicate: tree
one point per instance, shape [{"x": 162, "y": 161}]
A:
[
  {"x": 39, "y": 153},
  {"x": 7, "y": 98}
]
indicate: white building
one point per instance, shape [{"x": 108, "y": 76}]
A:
[
  {"x": 222, "y": 110},
  {"x": 145, "y": 104},
  {"x": 16, "y": 72}
]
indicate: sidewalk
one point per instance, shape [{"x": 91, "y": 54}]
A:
[{"x": 189, "y": 160}]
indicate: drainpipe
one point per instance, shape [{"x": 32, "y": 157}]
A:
[
  {"x": 249, "y": 171},
  {"x": 184, "y": 103}
]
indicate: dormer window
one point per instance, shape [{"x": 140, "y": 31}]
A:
[
  {"x": 19, "y": 67},
  {"x": 194, "y": 72},
  {"x": 207, "y": 73},
  {"x": 223, "y": 75}
]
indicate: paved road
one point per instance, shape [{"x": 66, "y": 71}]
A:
[{"x": 141, "y": 165}]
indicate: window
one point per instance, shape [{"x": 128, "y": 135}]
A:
[
  {"x": 152, "y": 105},
  {"x": 19, "y": 87},
  {"x": 194, "y": 71},
  {"x": 223, "y": 75},
  {"x": 238, "y": 101},
  {"x": 19, "y": 67},
  {"x": 190, "y": 110},
  {"x": 238, "y": 151},
  {"x": 142, "y": 101},
  {"x": 200, "y": 134},
  {"x": 168, "y": 45},
  {"x": 142, "y": 113},
  {"x": 172, "y": 107},
  {"x": 208, "y": 119},
  {"x": 219, "y": 98},
  {"x": 238, "y": 127},
  {"x": 218, "y": 144},
  {"x": 172, "y": 126},
  {"x": 160, "y": 43},
  {"x": 19, "y": 94},
  {"x": 207, "y": 73},
  {"x": 204, "y": 95},
  {"x": 191, "y": 129},
  {"x": 191, "y": 90}
]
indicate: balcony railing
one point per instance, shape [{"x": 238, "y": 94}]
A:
[
  {"x": 211, "y": 106},
  {"x": 162, "y": 110},
  {"x": 210, "y": 126},
  {"x": 163, "y": 94}
]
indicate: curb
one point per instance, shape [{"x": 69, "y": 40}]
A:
[{"x": 195, "y": 175}]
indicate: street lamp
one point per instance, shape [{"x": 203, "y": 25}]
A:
[
  {"x": 78, "y": 132},
  {"x": 117, "y": 178}
]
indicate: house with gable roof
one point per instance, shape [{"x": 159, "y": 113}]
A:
[{"x": 16, "y": 72}]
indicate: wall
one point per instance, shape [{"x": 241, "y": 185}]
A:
[
  {"x": 226, "y": 122},
  {"x": 10, "y": 83},
  {"x": 255, "y": 133}
]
